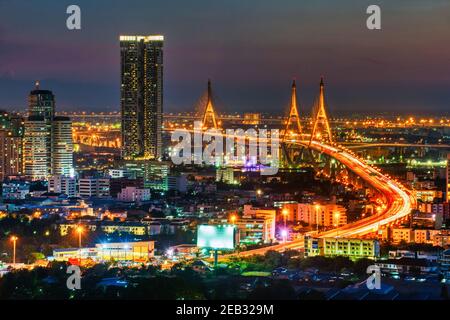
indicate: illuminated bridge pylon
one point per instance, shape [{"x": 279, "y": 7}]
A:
[
  {"x": 292, "y": 152},
  {"x": 209, "y": 119},
  {"x": 321, "y": 130},
  {"x": 293, "y": 127}
]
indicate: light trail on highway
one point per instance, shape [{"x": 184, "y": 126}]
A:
[{"x": 398, "y": 201}]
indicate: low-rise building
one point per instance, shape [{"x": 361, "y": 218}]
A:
[
  {"x": 133, "y": 194},
  {"x": 402, "y": 234},
  {"x": 444, "y": 263},
  {"x": 427, "y": 195},
  {"x": 327, "y": 215},
  {"x": 407, "y": 266},
  {"x": 436, "y": 237},
  {"x": 15, "y": 189},
  {"x": 352, "y": 248},
  {"x": 94, "y": 187},
  {"x": 69, "y": 227},
  {"x": 397, "y": 254},
  {"x": 136, "y": 228},
  {"x": 140, "y": 251},
  {"x": 257, "y": 225},
  {"x": 63, "y": 184},
  {"x": 442, "y": 239}
]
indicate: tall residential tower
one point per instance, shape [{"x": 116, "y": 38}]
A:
[
  {"x": 47, "y": 143},
  {"x": 11, "y": 134},
  {"x": 141, "y": 96}
]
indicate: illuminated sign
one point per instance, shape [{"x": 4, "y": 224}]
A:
[{"x": 216, "y": 237}]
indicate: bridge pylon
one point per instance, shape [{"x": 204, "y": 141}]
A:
[
  {"x": 209, "y": 119},
  {"x": 293, "y": 127},
  {"x": 321, "y": 130},
  {"x": 292, "y": 154}
]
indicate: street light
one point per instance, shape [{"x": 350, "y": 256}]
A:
[
  {"x": 80, "y": 232},
  {"x": 233, "y": 219},
  {"x": 317, "y": 206},
  {"x": 337, "y": 216},
  {"x": 284, "y": 234},
  {"x": 14, "y": 240},
  {"x": 285, "y": 213}
]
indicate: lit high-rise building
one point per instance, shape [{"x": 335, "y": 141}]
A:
[
  {"x": 37, "y": 144},
  {"x": 11, "y": 130},
  {"x": 41, "y": 103},
  {"x": 62, "y": 149},
  {"x": 447, "y": 186},
  {"x": 141, "y": 96},
  {"x": 10, "y": 154},
  {"x": 47, "y": 144}
]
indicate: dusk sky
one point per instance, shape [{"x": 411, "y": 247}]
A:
[{"x": 250, "y": 49}]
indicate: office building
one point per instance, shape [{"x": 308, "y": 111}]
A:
[{"x": 141, "y": 96}]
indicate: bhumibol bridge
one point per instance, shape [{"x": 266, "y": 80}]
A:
[{"x": 318, "y": 149}]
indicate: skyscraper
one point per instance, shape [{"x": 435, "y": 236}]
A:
[
  {"x": 141, "y": 96},
  {"x": 62, "y": 147},
  {"x": 37, "y": 147},
  {"x": 11, "y": 130},
  {"x": 447, "y": 182},
  {"x": 37, "y": 143},
  {"x": 48, "y": 145},
  {"x": 41, "y": 103}
]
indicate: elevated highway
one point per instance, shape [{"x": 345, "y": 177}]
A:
[{"x": 398, "y": 201}]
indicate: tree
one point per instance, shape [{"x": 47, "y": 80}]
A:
[
  {"x": 278, "y": 290},
  {"x": 444, "y": 292}
]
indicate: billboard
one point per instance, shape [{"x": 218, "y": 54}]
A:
[{"x": 216, "y": 237}]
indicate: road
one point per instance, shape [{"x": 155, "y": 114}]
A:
[
  {"x": 411, "y": 145},
  {"x": 398, "y": 201}
]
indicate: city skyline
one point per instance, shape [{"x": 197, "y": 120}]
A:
[
  {"x": 294, "y": 151},
  {"x": 239, "y": 48}
]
